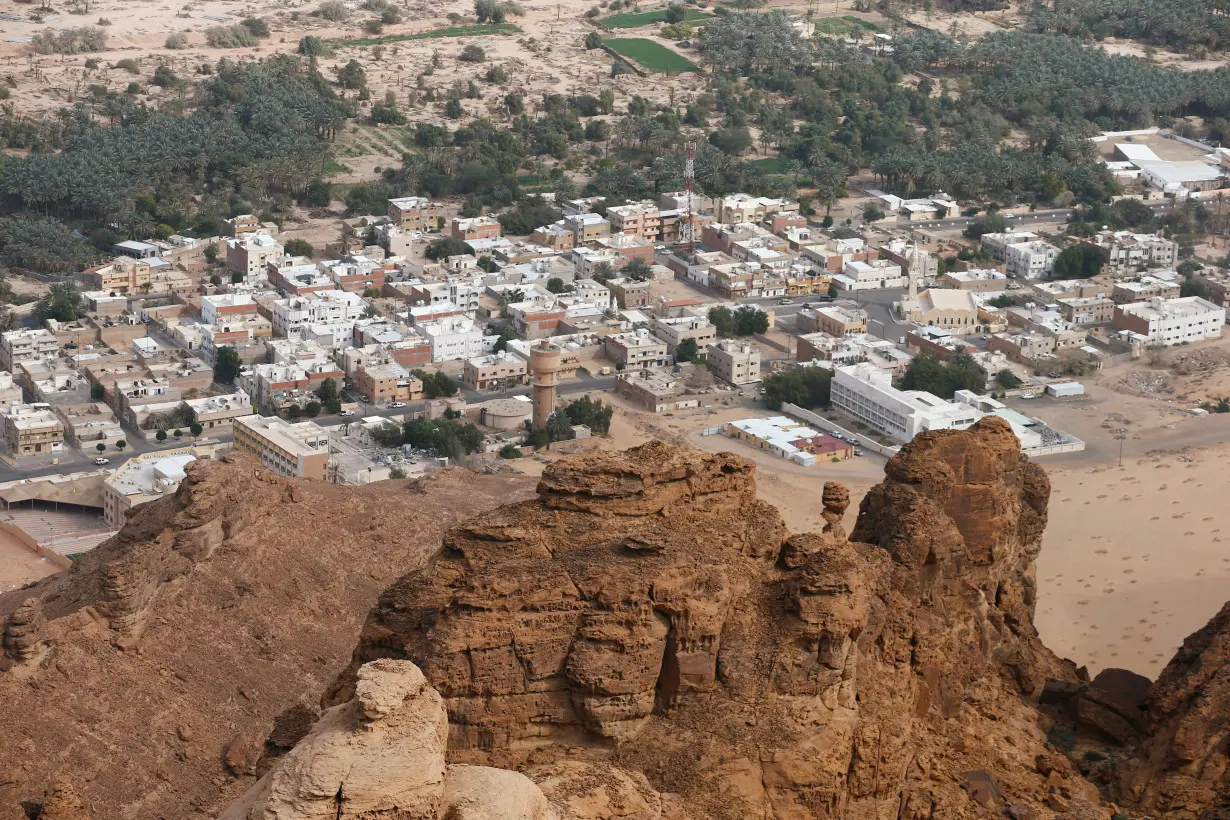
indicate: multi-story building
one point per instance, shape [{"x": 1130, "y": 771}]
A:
[
  {"x": 673, "y": 330},
  {"x": 36, "y": 343},
  {"x": 835, "y": 320},
  {"x": 974, "y": 281},
  {"x": 1127, "y": 251},
  {"x": 414, "y": 212},
  {"x": 329, "y": 306},
  {"x": 1172, "y": 321},
  {"x": 629, "y": 293},
  {"x": 479, "y": 227},
  {"x": 356, "y": 273},
  {"x": 875, "y": 274},
  {"x": 221, "y": 306},
  {"x": 587, "y": 227},
  {"x": 10, "y": 391},
  {"x": 643, "y": 219},
  {"x": 89, "y": 424},
  {"x": 494, "y": 371},
  {"x": 240, "y": 225},
  {"x": 1030, "y": 260},
  {"x": 747, "y": 208},
  {"x": 915, "y": 260},
  {"x": 454, "y": 337},
  {"x": 216, "y": 413},
  {"x": 658, "y": 390},
  {"x": 635, "y": 349},
  {"x": 294, "y": 450},
  {"x": 1146, "y": 288},
  {"x": 866, "y": 393},
  {"x": 1028, "y": 347},
  {"x": 557, "y": 236},
  {"x": 387, "y": 381},
  {"x": 298, "y": 276},
  {"x": 1090, "y": 310},
  {"x": 1217, "y": 285},
  {"x": 122, "y": 275},
  {"x": 31, "y": 430},
  {"x": 251, "y": 253},
  {"x": 735, "y": 362}
]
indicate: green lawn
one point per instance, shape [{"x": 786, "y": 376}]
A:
[
  {"x": 651, "y": 55},
  {"x": 843, "y": 25},
  {"x": 636, "y": 19},
  {"x": 451, "y": 31},
  {"x": 771, "y": 165}
]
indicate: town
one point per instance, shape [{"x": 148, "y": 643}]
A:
[{"x": 421, "y": 338}]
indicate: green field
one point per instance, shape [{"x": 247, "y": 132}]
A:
[
  {"x": 451, "y": 31},
  {"x": 636, "y": 19},
  {"x": 843, "y": 25},
  {"x": 771, "y": 165},
  {"x": 651, "y": 55}
]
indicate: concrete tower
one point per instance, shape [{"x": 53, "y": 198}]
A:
[{"x": 544, "y": 373}]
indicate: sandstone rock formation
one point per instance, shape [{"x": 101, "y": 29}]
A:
[
  {"x": 1183, "y": 768},
  {"x": 647, "y": 609},
  {"x": 167, "y": 653}
]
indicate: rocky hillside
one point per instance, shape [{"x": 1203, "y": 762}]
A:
[
  {"x": 648, "y": 610},
  {"x": 145, "y": 680}
]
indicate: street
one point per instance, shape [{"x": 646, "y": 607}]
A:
[{"x": 1052, "y": 215}]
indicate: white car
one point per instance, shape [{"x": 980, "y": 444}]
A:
[
  {"x": 101, "y": 461},
  {"x": 345, "y": 412},
  {"x": 397, "y": 405}
]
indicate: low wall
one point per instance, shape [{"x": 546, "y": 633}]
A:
[
  {"x": 1075, "y": 446},
  {"x": 24, "y": 537},
  {"x": 831, "y": 427}
]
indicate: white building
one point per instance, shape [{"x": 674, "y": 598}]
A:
[
  {"x": 876, "y": 274},
  {"x": 453, "y": 337},
  {"x": 219, "y": 306},
  {"x": 1172, "y": 321},
  {"x": 325, "y": 307},
  {"x": 1030, "y": 260},
  {"x": 866, "y": 392},
  {"x": 142, "y": 479},
  {"x": 1127, "y": 251}
]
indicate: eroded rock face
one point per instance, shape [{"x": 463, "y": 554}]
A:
[
  {"x": 648, "y": 610},
  {"x": 1182, "y": 770}
]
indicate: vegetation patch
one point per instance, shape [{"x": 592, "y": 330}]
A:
[
  {"x": 771, "y": 165},
  {"x": 651, "y": 55},
  {"x": 844, "y": 25},
  {"x": 450, "y": 31},
  {"x": 634, "y": 19}
]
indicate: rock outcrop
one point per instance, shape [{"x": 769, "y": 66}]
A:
[
  {"x": 1182, "y": 769},
  {"x": 647, "y": 609},
  {"x": 149, "y": 675}
]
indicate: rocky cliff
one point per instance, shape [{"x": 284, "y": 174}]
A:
[
  {"x": 143, "y": 683},
  {"x": 647, "y": 610}
]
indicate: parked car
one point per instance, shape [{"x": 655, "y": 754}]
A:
[
  {"x": 784, "y": 302},
  {"x": 857, "y": 452},
  {"x": 101, "y": 461},
  {"x": 345, "y": 412},
  {"x": 397, "y": 404}
]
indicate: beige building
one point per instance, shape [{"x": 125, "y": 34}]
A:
[
  {"x": 1146, "y": 288},
  {"x": 953, "y": 310},
  {"x": 251, "y": 253},
  {"x": 629, "y": 294},
  {"x": 494, "y": 371},
  {"x": 387, "y": 381},
  {"x": 635, "y": 349},
  {"x": 294, "y": 450},
  {"x": 835, "y": 320},
  {"x": 121, "y": 275},
  {"x": 145, "y": 478},
  {"x": 415, "y": 212},
  {"x": 88, "y": 425},
  {"x": 10, "y": 391},
  {"x": 215, "y": 414},
  {"x": 32, "y": 430},
  {"x": 1088, "y": 310},
  {"x": 36, "y": 343},
  {"x": 656, "y": 389},
  {"x": 735, "y": 362},
  {"x": 675, "y": 330}
]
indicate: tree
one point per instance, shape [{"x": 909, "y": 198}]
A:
[
  {"x": 312, "y": 409},
  {"x": 556, "y": 285},
  {"x": 472, "y": 54},
  {"x": 161, "y": 435},
  {"x": 226, "y": 365},
  {"x": 211, "y": 254},
  {"x": 510, "y": 451},
  {"x": 1191, "y": 286},
  {"x": 436, "y": 385},
  {"x": 593, "y": 40},
  {"x": 592, "y": 413},
  {"x": 294, "y": 412},
  {"x": 686, "y": 351},
  {"x": 943, "y": 379},
  {"x": 396, "y": 473},
  {"x": 503, "y": 334},
  {"x": 352, "y": 75},
  {"x": 806, "y": 387},
  {"x": 733, "y": 141},
  {"x": 178, "y": 434},
  {"x": 1079, "y": 261},
  {"x": 636, "y": 269},
  {"x": 537, "y": 438},
  {"x": 559, "y": 426},
  {"x": 298, "y": 247},
  {"x": 987, "y": 223},
  {"x": 62, "y": 303},
  {"x": 675, "y": 13},
  {"x": 100, "y": 447},
  {"x": 196, "y": 429},
  {"x": 1007, "y": 379},
  {"x": 97, "y": 391},
  {"x": 121, "y": 444},
  {"x": 1001, "y": 301},
  {"x": 445, "y": 247}
]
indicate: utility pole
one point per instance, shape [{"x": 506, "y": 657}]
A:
[{"x": 1120, "y": 433}]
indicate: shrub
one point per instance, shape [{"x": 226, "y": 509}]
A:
[
  {"x": 332, "y": 10},
  {"x": 472, "y": 54},
  {"x": 256, "y": 26},
  {"x": 236, "y": 36},
  {"x": 373, "y": 26},
  {"x": 510, "y": 451},
  {"x": 314, "y": 47},
  {"x": 390, "y": 16},
  {"x": 453, "y": 110},
  {"x": 129, "y": 65},
  {"x": 497, "y": 74},
  {"x": 177, "y": 40},
  {"x": 396, "y": 473},
  {"x": 165, "y": 77}
]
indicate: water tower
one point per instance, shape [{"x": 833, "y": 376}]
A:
[{"x": 545, "y": 363}]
